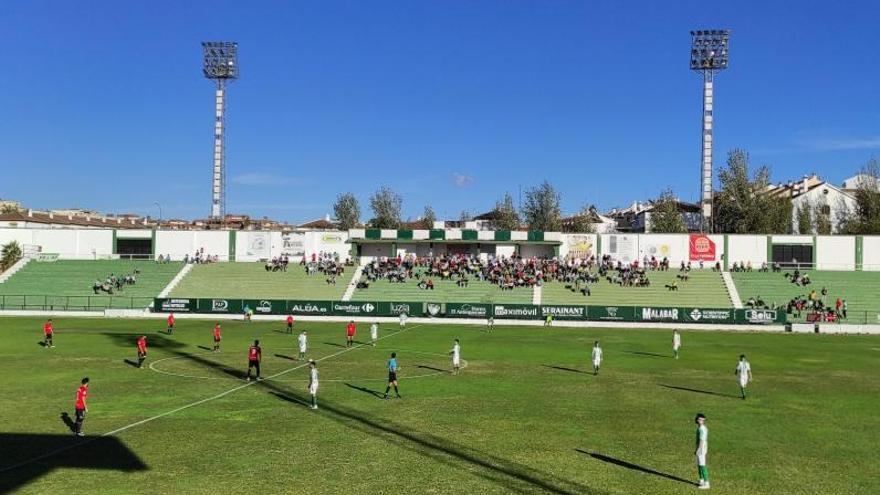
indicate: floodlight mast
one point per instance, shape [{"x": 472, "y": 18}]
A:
[
  {"x": 709, "y": 54},
  {"x": 220, "y": 64}
]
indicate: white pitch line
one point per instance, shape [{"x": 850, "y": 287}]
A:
[{"x": 181, "y": 408}]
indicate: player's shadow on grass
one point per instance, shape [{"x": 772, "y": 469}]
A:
[
  {"x": 514, "y": 477},
  {"x": 65, "y": 417},
  {"x": 41, "y": 343},
  {"x": 652, "y": 354},
  {"x": 28, "y": 456},
  {"x": 426, "y": 367},
  {"x": 204, "y": 347},
  {"x": 334, "y": 344},
  {"x": 562, "y": 368},
  {"x": 130, "y": 362},
  {"x": 698, "y": 391},
  {"x": 366, "y": 390},
  {"x": 282, "y": 356},
  {"x": 635, "y": 467}
]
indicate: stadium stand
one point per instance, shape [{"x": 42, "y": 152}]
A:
[
  {"x": 252, "y": 280},
  {"x": 71, "y": 282},
  {"x": 444, "y": 291},
  {"x": 860, "y": 290},
  {"x": 702, "y": 289}
]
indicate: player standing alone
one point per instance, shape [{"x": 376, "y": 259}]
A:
[
  {"x": 403, "y": 318},
  {"x": 676, "y": 343},
  {"x": 597, "y": 357},
  {"x": 255, "y": 354},
  {"x": 170, "y": 328},
  {"x": 456, "y": 356},
  {"x": 374, "y": 333},
  {"x": 490, "y": 323},
  {"x": 216, "y": 337},
  {"x": 48, "y": 332},
  {"x": 289, "y": 323},
  {"x": 141, "y": 350},
  {"x": 349, "y": 333},
  {"x": 80, "y": 407},
  {"x": 303, "y": 342},
  {"x": 392, "y": 375},
  {"x": 744, "y": 371},
  {"x": 701, "y": 450},
  {"x": 313, "y": 382}
]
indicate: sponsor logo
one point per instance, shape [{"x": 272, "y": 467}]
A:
[
  {"x": 219, "y": 305},
  {"x": 760, "y": 315},
  {"x": 476, "y": 311},
  {"x": 524, "y": 312},
  {"x": 701, "y": 248},
  {"x": 433, "y": 309},
  {"x": 711, "y": 314},
  {"x": 696, "y": 314},
  {"x": 611, "y": 311},
  {"x": 307, "y": 308},
  {"x": 398, "y": 308},
  {"x": 659, "y": 314},
  {"x": 354, "y": 309},
  {"x": 264, "y": 307},
  {"x": 563, "y": 311},
  {"x": 178, "y": 305}
]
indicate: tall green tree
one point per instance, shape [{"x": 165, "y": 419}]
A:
[
  {"x": 9, "y": 254},
  {"x": 865, "y": 219},
  {"x": 347, "y": 211},
  {"x": 743, "y": 204},
  {"x": 665, "y": 216},
  {"x": 506, "y": 216},
  {"x": 9, "y": 208},
  {"x": 804, "y": 220},
  {"x": 386, "y": 205},
  {"x": 583, "y": 221},
  {"x": 822, "y": 218},
  {"x": 541, "y": 210},
  {"x": 428, "y": 218}
]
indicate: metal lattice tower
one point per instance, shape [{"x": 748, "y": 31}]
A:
[
  {"x": 709, "y": 54},
  {"x": 220, "y": 65}
]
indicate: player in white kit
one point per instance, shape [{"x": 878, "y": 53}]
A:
[
  {"x": 456, "y": 357},
  {"x": 403, "y": 320},
  {"x": 313, "y": 382},
  {"x": 744, "y": 372},
  {"x": 676, "y": 343},
  {"x": 374, "y": 333},
  {"x": 597, "y": 357},
  {"x": 701, "y": 450},
  {"x": 303, "y": 341}
]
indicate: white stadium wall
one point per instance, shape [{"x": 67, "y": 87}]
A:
[
  {"x": 174, "y": 243},
  {"x": 835, "y": 253},
  {"x": 871, "y": 253},
  {"x": 747, "y": 249}
]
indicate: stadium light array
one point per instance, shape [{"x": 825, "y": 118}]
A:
[{"x": 220, "y": 64}]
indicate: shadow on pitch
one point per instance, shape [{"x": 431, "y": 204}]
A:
[
  {"x": 652, "y": 354},
  {"x": 514, "y": 477},
  {"x": 707, "y": 392},
  {"x": 106, "y": 453},
  {"x": 334, "y": 344},
  {"x": 634, "y": 467},
  {"x": 562, "y": 368},
  {"x": 41, "y": 343},
  {"x": 425, "y": 367},
  {"x": 366, "y": 390},
  {"x": 204, "y": 347},
  {"x": 130, "y": 362},
  {"x": 282, "y": 356},
  {"x": 65, "y": 417}
]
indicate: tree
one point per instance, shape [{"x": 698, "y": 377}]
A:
[
  {"x": 428, "y": 218},
  {"x": 506, "y": 217},
  {"x": 865, "y": 220},
  {"x": 666, "y": 216},
  {"x": 9, "y": 255},
  {"x": 743, "y": 205},
  {"x": 822, "y": 218},
  {"x": 9, "y": 208},
  {"x": 541, "y": 210},
  {"x": 386, "y": 205},
  {"x": 583, "y": 221},
  {"x": 347, "y": 211},
  {"x": 804, "y": 220}
]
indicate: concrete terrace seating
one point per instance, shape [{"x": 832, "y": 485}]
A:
[
  {"x": 861, "y": 290},
  {"x": 252, "y": 281},
  {"x": 75, "y": 278},
  {"x": 444, "y": 291},
  {"x": 704, "y": 289}
]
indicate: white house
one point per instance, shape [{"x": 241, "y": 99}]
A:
[
  {"x": 853, "y": 182},
  {"x": 814, "y": 193}
]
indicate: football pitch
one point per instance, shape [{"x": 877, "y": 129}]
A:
[{"x": 525, "y": 415}]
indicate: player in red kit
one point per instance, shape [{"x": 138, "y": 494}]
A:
[
  {"x": 216, "y": 337},
  {"x": 81, "y": 393},
  {"x": 48, "y": 331},
  {"x": 349, "y": 334},
  {"x": 255, "y": 354},
  {"x": 289, "y": 323},
  {"x": 141, "y": 350},
  {"x": 170, "y": 323}
]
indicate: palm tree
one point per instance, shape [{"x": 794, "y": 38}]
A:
[{"x": 10, "y": 254}]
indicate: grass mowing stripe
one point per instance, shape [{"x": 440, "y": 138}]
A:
[{"x": 187, "y": 406}]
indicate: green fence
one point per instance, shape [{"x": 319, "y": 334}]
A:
[
  {"x": 72, "y": 303},
  {"x": 472, "y": 310}
]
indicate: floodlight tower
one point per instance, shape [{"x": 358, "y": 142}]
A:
[
  {"x": 708, "y": 55},
  {"x": 220, "y": 65}
]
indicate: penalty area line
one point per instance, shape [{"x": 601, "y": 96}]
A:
[{"x": 89, "y": 440}]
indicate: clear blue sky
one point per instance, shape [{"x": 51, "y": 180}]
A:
[{"x": 103, "y": 104}]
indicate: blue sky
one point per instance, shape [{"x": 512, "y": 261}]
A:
[{"x": 451, "y": 103}]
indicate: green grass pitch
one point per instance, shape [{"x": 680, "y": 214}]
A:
[{"x": 522, "y": 417}]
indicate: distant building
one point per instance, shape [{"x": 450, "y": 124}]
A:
[
  {"x": 320, "y": 224},
  {"x": 637, "y": 217},
  {"x": 852, "y": 184},
  {"x": 601, "y": 223},
  {"x": 816, "y": 194}
]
